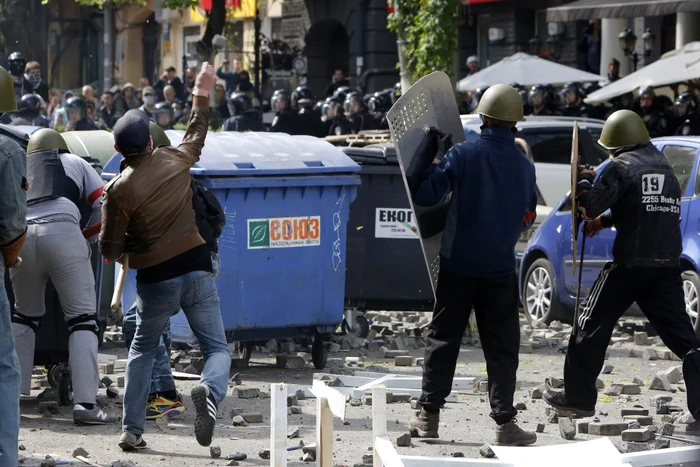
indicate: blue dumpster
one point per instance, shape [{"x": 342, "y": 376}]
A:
[{"x": 282, "y": 251}]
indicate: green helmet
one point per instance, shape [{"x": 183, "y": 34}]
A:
[
  {"x": 158, "y": 135},
  {"x": 8, "y": 101},
  {"x": 622, "y": 129},
  {"x": 46, "y": 139},
  {"x": 501, "y": 102}
]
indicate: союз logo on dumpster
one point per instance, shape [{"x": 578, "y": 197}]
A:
[{"x": 284, "y": 232}]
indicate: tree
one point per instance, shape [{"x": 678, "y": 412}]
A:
[{"x": 427, "y": 32}]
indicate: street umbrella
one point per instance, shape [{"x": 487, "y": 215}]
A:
[
  {"x": 676, "y": 66},
  {"x": 526, "y": 70}
]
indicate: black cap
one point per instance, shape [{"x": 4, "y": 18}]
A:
[{"x": 131, "y": 132}]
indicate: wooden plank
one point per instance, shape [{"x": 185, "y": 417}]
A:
[
  {"x": 386, "y": 454},
  {"x": 662, "y": 456},
  {"x": 417, "y": 461},
  {"x": 358, "y": 394},
  {"x": 324, "y": 433},
  {"x": 336, "y": 400},
  {"x": 278, "y": 426},
  {"x": 379, "y": 428}
]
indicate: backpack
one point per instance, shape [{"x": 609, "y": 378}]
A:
[{"x": 208, "y": 213}]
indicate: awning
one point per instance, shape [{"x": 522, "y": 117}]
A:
[{"x": 591, "y": 9}]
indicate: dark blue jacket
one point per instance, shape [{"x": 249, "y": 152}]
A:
[{"x": 494, "y": 198}]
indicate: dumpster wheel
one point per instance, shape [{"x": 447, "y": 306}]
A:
[
  {"x": 359, "y": 329},
  {"x": 243, "y": 350},
  {"x": 319, "y": 352}
]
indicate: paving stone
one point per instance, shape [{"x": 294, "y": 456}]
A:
[
  {"x": 659, "y": 399},
  {"x": 685, "y": 418},
  {"x": 215, "y": 452},
  {"x": 107, "y": 368},
  {"x": 291, "y": 400},
  {"x": 239, "y": 421},
  {"x": 404, "y": 440},
  {"x": 650, "y": 354},
  {"x": 566, "y": 428},
  {"x": 641, "y": 434},
  {"x": 553, "y": 417},
  {"x": 49, "y": 406},
  {"x": 264, "y": 454},
  {"x": 252, "y": 417},
  {"x": 607, "y": 369},
  {"x": 292, "y": 362},
  {"x": 535, "y": 393},
  {"x": 367, "y": 400},
  {"x": 643, "y": 420},
  {"x": 334, "y": 348},
  {"x": 403, "y": 360},
  {"x": 80, "y": 452},
  {"x": 614, "y": 390},
  {"x": 634, "y": 411},
  {"x": 637, "y": 447},
  {"x": 662, "y": 443},
  {"x": 520, "y": 406},
  {"x": 112, "y": 393},
  {"x": 486, "y": 452},
  {"x": 631, "y": 389},
  {"x": 293, "y": 432},
  {"x": 457, "y": 454},
  {"x": 667, "y": 429},
  {"x": 483, "y": 386},
  {"x": 540, "y": 428},
  {"x": 420, "y": 361},
  {"x": 599, "y": 384},
  {"x": 633, "y": 425},
  {"x": 554, "y": 382},
  {"x": 638, "y": 381},
  {"x": 583, "y": 423},
  {"x": 120, "y": 381},
  {"x": 367, "y": 459},
  {"x": 245, "y": 393},
  {"x": 660, "y": 383},
  {"x": 673, "y": 374},
  {"x": 295, "y": 410},
  {"x": 606, "y": 428},
  {"x": 396, "y": 353},
  {"x": 232, "y": 463},
  {"x": 415, "y": 405},
  {"x": 641, "y": 338}
]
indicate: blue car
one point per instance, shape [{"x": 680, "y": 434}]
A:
[{"x": 547, "y": 282}]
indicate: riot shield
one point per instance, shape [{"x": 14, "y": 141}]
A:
[{"x": 430, "y": 102}]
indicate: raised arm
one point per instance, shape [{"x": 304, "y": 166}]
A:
[{"x": 193, "y": 142}]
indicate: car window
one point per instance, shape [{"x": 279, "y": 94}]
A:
[
  {"x": 549, "y": 147},
  {"x": 554, "y": 147},
  {"x": 682, "y": 160},
  {"x": 599, "y": 152}
]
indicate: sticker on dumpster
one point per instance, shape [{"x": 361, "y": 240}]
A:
[
  {"x": 284, "y": 232},
  {"x": 395, "y": 223}
]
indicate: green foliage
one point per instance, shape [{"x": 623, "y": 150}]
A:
[{"x": 430, "y": 29}]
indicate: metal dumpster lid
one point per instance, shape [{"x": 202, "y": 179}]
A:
[
  {"x": 231, "y": 153},
  {"x": 374, "y": 154},
  {"x": 94, "y": 144}
]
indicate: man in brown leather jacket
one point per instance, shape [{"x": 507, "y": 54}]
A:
[{"x": 147, "y": 214}]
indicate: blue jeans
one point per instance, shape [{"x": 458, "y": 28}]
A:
[
  {"x": 196, "y": 294},
  {"x": 162, "y": 377},
  {"x": 9, "y": 382}
]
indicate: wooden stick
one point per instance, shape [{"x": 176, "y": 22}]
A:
[
  {"x": 379, "y": 429},
  {"x": 121, "y": 280},
  {"x": 278, "y": 426},
  {"x": 324, "y": 433}
]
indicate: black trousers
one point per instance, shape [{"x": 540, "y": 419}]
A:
[
  {"x": 659, "y": 293},
  {"x": 495, "y": 302}
]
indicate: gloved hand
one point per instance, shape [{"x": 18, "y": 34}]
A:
[
  {"x": 205, "y": 80},
  {"x": 444, "y": 141}
]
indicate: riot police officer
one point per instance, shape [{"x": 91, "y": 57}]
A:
[
  {"x": 244, "y": 116},
  {"x": 686, "y": 110},
  {"x": 163, "y": 115},
  {"x": 594, "y": 111},
  {"x": 573, "y": 102},
  {"x": 524, "y": 95},
  {"x": 477, "y": 261},
  {"x": 309, "y": 121},
  {"x": 64, "y": 214},
  {"x": 28, "y": 109},
  {"x": 16, "y": 64},
  {"x": 379, "y": 104},
  {"x": 76, "y": 111},
  {"x": 285, "y": 121},
  {"x": 476, "y": 97},
  {"x": 335, "y": 122},
  {"x": 13, "y": 232},
  {"x": 642, "y": 197},
  {"x": 396, "y": 93},
  {"x": 342, "y": 92},
  {"x": 654, "y": 119},
  {"x": 357, "y": 113},
  {"x": 538, "y": 100}
]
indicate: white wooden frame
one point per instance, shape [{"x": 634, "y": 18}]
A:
[{"x": 385, "y": 455}]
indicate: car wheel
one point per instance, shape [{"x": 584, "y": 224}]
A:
[
  {"x": 539, "y": 298},
  {"x": 691, "y": 293}
]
